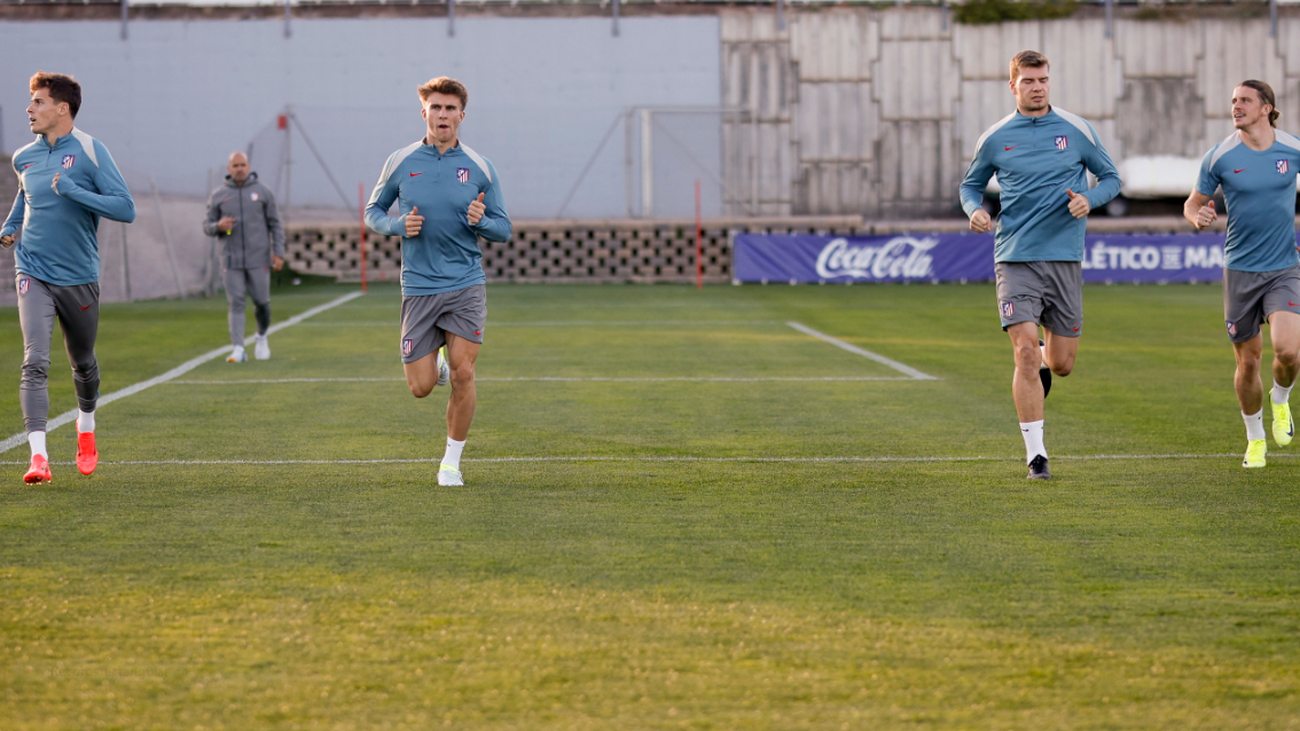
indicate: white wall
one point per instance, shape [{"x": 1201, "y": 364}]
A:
[{"x": 176, "y": 97}]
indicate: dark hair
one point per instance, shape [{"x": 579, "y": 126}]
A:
[
  {"x": 1030, "y": 59},
  {"x": 1266, "y": 96},
  {"x": 445, "y": 85},
  {"x": 63, "y": 89}
]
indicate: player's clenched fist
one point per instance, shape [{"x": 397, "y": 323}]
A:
[
  {"x": 414, "y": 221},
  {"x": 1206, "y": 216},
  {"x": 1079, "y": 205},
  {"x": 980, "y": 221},
  {"x": 476, "y": 209},
  {"x": 7, "y": 240}
]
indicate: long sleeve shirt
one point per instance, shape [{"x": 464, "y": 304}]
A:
[
  {"x": 60, "y": 222},
  {"x": 1037, "y": 159},
  {"x": 444, "y": 256}
]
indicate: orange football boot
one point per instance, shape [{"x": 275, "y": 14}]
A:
[
  {"x": 87, "y": 454},
  {"x": 39, "y": 471}
]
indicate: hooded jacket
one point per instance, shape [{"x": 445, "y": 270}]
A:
[{"x": 257, "y": 233}]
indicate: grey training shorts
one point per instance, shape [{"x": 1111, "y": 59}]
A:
[
  {"x": 426, "y": 320},
  {"x": 1049, "y": 293},
  {"x": 1250, "y": 297}
]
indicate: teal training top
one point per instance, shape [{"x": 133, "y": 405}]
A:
[
  {"x": 445, "y": 256},
  {"x": 1259, "y": 188},
  {"x": 1037, "y": 159},
  {"x": 59, "y": 243}
]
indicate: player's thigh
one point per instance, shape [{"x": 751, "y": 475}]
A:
[
  {"x": 36, "y": 316},
  {"x": 1284, "y": 331},
  {"x": 461, "y": 353},
  {"x": 1020, "y": 291},
  {"x": 1062, "y": 299},
  {"x": 78, "y": 311},
  {"x": 236, "y": 287},
  {"x": 421, "y": 336},
  {"x": 464, "y": 314},
  {"x": 259, "y": 285},
  {"x": 1244, "y": 303},
  {"x": 422, "y": 374}
]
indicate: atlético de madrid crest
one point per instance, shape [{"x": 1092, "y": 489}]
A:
[
  {"x": 462, "y": 175},
  {"x": 1282, "y": 167},
  {"x": 24, "y": 284},
  {"x": 68, "y": 160}
]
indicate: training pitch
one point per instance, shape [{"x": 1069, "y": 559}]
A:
[{"x": 735, "y": 508}]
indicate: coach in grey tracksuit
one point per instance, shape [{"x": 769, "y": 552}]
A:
[{"x": 243, "y": 215}]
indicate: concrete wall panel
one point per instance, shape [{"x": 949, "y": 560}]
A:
[
  {"x": 1153, "y": 49},
  {"x": 985, "y": 51}
]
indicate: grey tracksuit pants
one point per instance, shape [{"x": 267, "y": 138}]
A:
[
  {"x": 241, "y": 283},
  {"x": 77, "y": 310}
]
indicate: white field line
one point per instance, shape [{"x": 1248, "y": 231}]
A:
[
  {"x": 563, "y": 323},
  {"x": 560, "y": 379},
  {"x": 900, "y": 367},
  {"x": 687, "y": 459},
  {"x": 69, "y": 416}
]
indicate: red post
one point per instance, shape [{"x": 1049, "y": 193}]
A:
[
  {"x": 699, "y": 240},
  {"x": 361, "y": 195}
]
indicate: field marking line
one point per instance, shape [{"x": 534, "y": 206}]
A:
[
  {"x": 900, "y": 367},
  {"x": 596, "y": 458},
  {"x": 563, "y": 323},
  {"x": 189, "y": 365},
  {"x": 560, "y": 379}
]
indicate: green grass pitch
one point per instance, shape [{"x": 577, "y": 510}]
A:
[{"x": 680, "y": 513}]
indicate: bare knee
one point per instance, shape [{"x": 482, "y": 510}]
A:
[
  {"x": 1063, "y": 369},
  {"x": 1028, "y": 358},
  {"x": 419, "y": 390},
  {"x": 462, "y": 376}
]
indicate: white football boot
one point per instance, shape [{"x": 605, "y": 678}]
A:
[{"x": 261, "y": 348}]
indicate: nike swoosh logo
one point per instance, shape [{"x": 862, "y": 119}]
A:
[
  {"x": 87, "y": 307},
  {"x": 415, "y": 174},
  {"x": 1289, "y": 302},
  {"x": 1237, "y": 171},
  {"x": 1011, "y": 147}
]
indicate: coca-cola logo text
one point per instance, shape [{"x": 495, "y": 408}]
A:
[{"x": 902, "y": 257}]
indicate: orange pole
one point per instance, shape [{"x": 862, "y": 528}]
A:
[
  {"x": 361, "y": 195},
  {"x": 699, "y": 240}
]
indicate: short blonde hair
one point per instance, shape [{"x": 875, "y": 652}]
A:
[
  {"x": 1027, "y": 59},
  {"x": 445, "y": 85}
]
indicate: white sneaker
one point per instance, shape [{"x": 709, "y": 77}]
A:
[
  {"x": 237, "y": 355},
  {"x": 444, "y": 370},
  {"x": 449, "y": 476},
  {"x": 261, "y": 348}
]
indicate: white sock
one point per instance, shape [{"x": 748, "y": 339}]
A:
[
  {"x": 1281, "y": 394},
  {"x": 1254, "y": 425},
  {"x": 37, "y": 441},
  {"x": 451, "y": 457},
  {"x": 1033, "y": 433},
  {"x": 85, "y": 421}
]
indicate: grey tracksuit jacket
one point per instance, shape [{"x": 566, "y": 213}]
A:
[{"x": 257, "y": 233}]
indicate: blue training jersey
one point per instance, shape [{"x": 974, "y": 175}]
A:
[
  {"x": 444, "y": 257},
  {"x": 1259, "y": 188},
  {"x": 1037, "y": 159},
  {"x": 60, "y": 243}
]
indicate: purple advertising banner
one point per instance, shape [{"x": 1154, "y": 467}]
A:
[{"x": 1153, "y": 258}]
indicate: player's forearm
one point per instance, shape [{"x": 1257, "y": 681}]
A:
[
  {"x": 971, "y": 199},
  {"x": 494, "y": 229},
  {"x": 1108, "y": 187},
  {"x": 382, "y": 224},
  {"x": 118, "y": 207},
  {"x": 16, "y": 214}
]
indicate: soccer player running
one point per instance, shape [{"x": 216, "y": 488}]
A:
[
  {"x": 448, "y": 196},
  {"x": 1041, "y": 156},
  {"x": 66, "y": 182},
  {"x": 1256, "y": 165}
]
